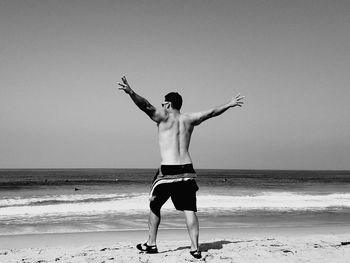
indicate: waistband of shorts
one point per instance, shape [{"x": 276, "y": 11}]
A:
[{"x": 176, "y": 169}]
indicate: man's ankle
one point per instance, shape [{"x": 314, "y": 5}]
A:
[
  {"x": 194, "y": 249},
  {"x": 151, "y": 243}
]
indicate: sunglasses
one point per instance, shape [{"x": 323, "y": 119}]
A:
[{"x": 165, "y": 103}]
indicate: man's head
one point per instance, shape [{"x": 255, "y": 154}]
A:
[{"x": 175, "y": 99}]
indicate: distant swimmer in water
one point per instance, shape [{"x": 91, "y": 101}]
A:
[{"x": 175, "y": 177}]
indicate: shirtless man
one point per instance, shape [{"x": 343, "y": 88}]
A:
[{"x": 176, "y": 176}]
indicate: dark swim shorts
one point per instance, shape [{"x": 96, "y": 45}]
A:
[
  {"x": 183, "y": 195},
  {"x": 177, "y": 182}
]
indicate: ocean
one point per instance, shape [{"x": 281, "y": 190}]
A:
[{"x": 83, "y": 200}]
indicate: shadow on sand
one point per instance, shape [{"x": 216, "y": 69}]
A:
[{"x": 204, "y": 247}]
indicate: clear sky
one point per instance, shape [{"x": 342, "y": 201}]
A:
[{"x": 60, "y": 62}]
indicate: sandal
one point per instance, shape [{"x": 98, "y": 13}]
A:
[
  {"x": 148, "y": 249},
  {"x": 196, "y": 254}
]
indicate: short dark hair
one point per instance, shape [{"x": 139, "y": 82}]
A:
[{"x": 175, "y": 99}]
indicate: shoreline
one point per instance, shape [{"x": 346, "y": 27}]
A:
[{"x": 164, "y": 234}]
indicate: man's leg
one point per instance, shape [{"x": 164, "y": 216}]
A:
[
  {"x": 160, "y": 196},
  {"x": 153, "y": 224},
  {"x": 192, "y": 227}
]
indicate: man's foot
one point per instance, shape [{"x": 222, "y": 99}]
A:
[
  {"x": 147, "y": 249},
  {"x": 196, "y": 254}
]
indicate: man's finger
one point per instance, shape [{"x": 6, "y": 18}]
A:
[
  {"x": 124, "y": 80},
  {"x": 120, "y": 84}
]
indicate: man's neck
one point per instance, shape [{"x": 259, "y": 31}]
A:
[{"x": 174, "y": 111}]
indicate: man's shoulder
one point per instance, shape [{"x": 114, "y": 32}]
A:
[
  {"x": 186, "y": 116},
  {"x": 182, "y": 117}
]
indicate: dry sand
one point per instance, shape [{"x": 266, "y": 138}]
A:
[{"x": 294, "y": 245}]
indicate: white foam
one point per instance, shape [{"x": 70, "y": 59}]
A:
[
  {"x": 279, "y": 201},
  {"x": 58, "y": 198},
  {"x": 276, "y": 200},
  {"x": 119, "y": 205}
]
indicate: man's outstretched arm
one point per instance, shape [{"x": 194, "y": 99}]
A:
[
  {"x": 141, "y": 102},
  {"x": 199, "y": 117}
]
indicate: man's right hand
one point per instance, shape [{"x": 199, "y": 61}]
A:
[{"x": 125, "y": 86}]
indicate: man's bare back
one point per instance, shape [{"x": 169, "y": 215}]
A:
[{"x": 174, "y": 135}]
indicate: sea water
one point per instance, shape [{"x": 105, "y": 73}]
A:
[{"x": 82, "y": 200}]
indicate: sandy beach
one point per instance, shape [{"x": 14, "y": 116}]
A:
[{"x": 217, "y": 245}]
